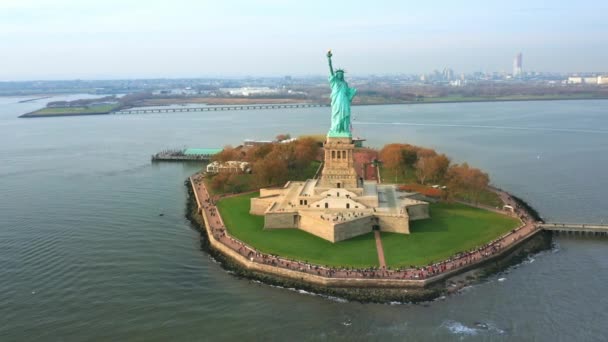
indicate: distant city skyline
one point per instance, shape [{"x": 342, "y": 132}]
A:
[{"x": 112, "y": 39}]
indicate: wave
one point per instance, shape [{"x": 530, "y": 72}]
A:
[{"x": 458, "y": 328}]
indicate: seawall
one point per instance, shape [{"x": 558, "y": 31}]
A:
[{"x": 358, "y": 289}]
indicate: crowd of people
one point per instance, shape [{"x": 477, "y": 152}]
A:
[{"x": 207, "y": 205}]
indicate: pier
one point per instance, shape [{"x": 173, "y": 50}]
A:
[
  {"x": 216, "y": 108},
  {"x": 576, "y": 228},
  {"x": 189, "y": 154}
]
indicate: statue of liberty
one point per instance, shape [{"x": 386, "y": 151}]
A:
[{"x": 341, "y": 96}]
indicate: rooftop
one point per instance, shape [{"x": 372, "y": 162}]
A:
[{"x": 202, "y": 151}]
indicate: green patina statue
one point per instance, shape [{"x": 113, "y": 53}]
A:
[{"x": 341, "y": 96}]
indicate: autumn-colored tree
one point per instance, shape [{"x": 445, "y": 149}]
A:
[
  {"x": 442, "y": 164},
  {"x": 425, "y": 169},
  {"x": 282, "y": 137},
  {"x": 219, "y": 181},
  {"x": 422, "y": 152},
  {"x": 468, "y": 181},
  {"x": 227, "y": 154},
  {"x": 258, "y": 152},
  {"x": 432, "y": 167},
  {"x": 306, "y": 150},
  {"x": 271, "y": 170},
  {"x": 392, "y": 156},
  {"x": 409, "y": 156}
]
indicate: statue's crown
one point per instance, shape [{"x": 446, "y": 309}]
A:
[{"x": 340, "y": 70}]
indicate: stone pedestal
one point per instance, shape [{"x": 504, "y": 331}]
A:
[{"x": 338, "y": 169}]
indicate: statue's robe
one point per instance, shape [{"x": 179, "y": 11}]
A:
[{"x": 341, "y": 96}]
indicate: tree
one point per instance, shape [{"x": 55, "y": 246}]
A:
[
  {"x": 392, "y": 156},
  {"x": 306, "y": 150},
  {"x": 282, "y": 137},
  {"x": 227, "y": 154},
  {"x": 409, "y": 156},
  {"x": 468, "y": 182},
  {"x": 270, "y": 171},
  {"x": 432, "y": 167},
  {"x": 442, "y": 164},
  {"x": 258, "y": 152},
  {"x": 425, "y": 169},
  {"x": 219, "y": 181}
]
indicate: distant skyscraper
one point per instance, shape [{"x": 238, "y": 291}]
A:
[{"x": 517, "y": 63}]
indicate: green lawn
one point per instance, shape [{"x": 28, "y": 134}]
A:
[
  {"x": 294, "y": 243},
  {"x": 393, "y": 176},
  {"x": 452, "y": 228},
  {"x": 487, "y": 197},
  {"x": 76, "y": 110}
]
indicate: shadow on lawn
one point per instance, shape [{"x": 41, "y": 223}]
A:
[{"x": 421, "y": 228}]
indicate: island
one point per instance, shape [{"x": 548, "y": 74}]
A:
[{"x": 402, "y": 223}]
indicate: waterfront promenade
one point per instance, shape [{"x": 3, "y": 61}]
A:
[{"x": 414, "y": 276}]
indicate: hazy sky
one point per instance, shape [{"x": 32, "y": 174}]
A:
[{"x": 66, "y": 39}]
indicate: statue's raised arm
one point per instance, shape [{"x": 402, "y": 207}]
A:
[{"x": 331, "y": 68}]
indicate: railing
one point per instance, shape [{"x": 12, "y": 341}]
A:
[
  {"x": 575, "y": 227},
  {"x": 216, "y": 108}
]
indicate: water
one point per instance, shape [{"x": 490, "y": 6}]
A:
[{"x": 85, "y": 256}]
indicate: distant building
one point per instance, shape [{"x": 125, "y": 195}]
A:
[
  {"x": 448, "y": 74},
  {"x": 590, "y": 80},
  {"x": 250, "y": 142},
  {"x": 517, "y": 65},
  {"x": 232, "y": 166},
  {"x": 250, "y": 91}
]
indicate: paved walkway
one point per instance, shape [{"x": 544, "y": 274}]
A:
[{"x": 380, "y": 249}]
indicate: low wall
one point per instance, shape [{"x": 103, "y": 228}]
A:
[
  {"x": 280, "y": 220},
  {"x": 418, "y": 211},
  {"x": 352, "y": 228},
  {"x": 259, "y": 205},
  {"x": 317, "y": 226},
  {"x": 394, "y": 224}
]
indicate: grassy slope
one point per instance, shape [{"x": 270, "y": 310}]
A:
[
  {"x": 489, "y": 198},
  {"x": 294, "y": 243},
  {"x": 452, "y": 228}
]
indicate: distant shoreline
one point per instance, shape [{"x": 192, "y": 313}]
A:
[{"x": 239, "y": 101}]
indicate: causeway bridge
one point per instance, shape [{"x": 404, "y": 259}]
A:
[
  {"x": 575, "y": 228},
  {"x": 217, "y": 108}
]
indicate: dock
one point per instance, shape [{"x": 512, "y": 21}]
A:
[
  {"x": 189, "y": 154},
  {"x": 576, "y": 228}
]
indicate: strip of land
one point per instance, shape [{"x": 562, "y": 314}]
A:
[{"x": 236, "y": 101}]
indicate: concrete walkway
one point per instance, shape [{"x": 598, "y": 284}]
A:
[{"x": 380, "y": 249}]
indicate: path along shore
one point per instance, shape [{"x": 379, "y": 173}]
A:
[{"x": 252, "y": 259}]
